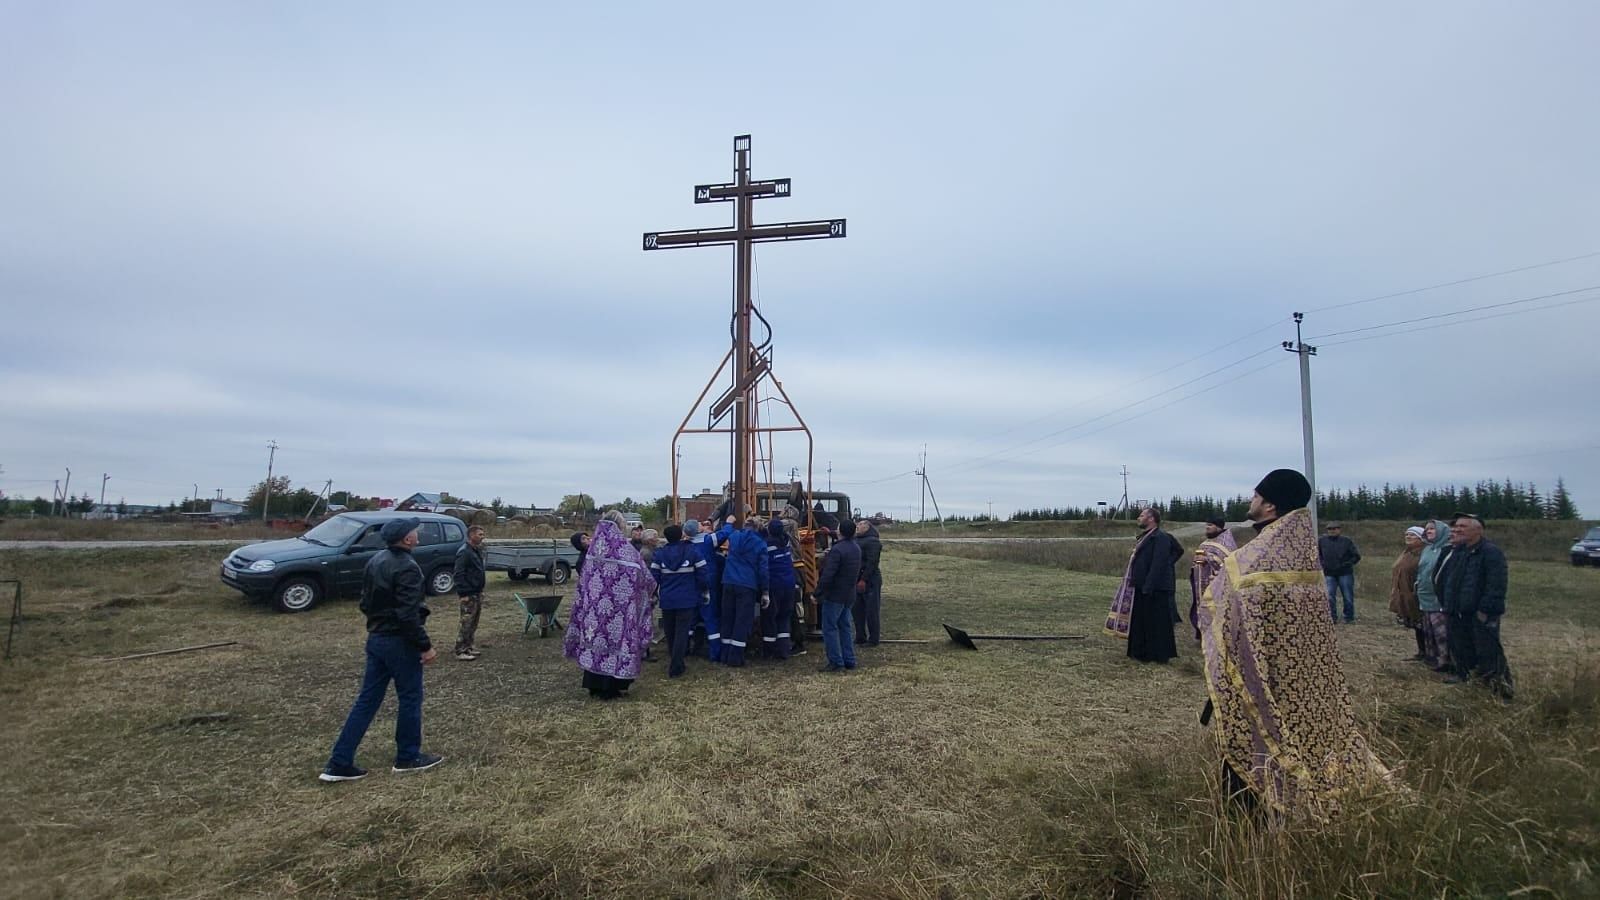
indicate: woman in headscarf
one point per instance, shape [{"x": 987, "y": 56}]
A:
[
  {"x": 1403, "y": 588},
  {"x": 1435, "y": 640},
  {"x": 610, "y": 626}
]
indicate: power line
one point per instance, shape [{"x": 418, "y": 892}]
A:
[
  {"x": 881, "y": 480},
  {"x": 1445, "y": 284},
  {"x": 1112, "y": 412},
  {"x": 1459, "y": 312},
  {"x": 1514, "y": 312},
  {"x": 1157, "y": 409},
  {"x": 1125, "y": 388}
]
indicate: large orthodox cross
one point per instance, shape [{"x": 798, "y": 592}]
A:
[{"x": 749, "y": 366}]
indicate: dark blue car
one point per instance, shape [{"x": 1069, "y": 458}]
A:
[{"x": 328, "y": 560}]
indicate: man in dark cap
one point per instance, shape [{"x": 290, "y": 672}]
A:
[
  {"x": 397, "y": 649},
  {"x": 1277, "y": 691}
]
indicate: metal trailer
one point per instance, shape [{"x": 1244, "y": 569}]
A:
[{"x": 554, "y": 559}]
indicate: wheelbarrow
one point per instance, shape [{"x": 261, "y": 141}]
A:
[{"x": 539, "y": 611}]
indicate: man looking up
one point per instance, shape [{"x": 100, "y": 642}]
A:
[{"x": 397, "y": 649}]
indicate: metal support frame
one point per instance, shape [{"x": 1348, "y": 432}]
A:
[{"x": 749, "y": 364}]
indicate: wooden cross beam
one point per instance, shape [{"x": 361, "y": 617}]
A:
[{"x": 749, "y": 366}]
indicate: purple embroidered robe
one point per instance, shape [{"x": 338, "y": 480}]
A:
[{"x": 609, "y": 629}]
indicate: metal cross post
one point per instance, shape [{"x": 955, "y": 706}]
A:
[
  {"x": 749, "y": 364},
  {"x": 1306, "y": 351}
]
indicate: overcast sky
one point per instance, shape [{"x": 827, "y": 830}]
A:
[{"x": 403, "y": 241}]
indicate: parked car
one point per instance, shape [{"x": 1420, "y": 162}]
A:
[
  {"x": 328, "y": 561},
  {"x": 1587, "y": 549},
  {"x": 633, "y": 520},
  {"x": 553, "y": 559}
]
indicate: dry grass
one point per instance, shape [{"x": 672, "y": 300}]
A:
[{"x": 1023, "y": 770}]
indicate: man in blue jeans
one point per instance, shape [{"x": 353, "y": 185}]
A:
[
  {"x": 835, "y": 594},
  {"x": 397, "y": 649},
  {"x": 1339, "y": 558}
]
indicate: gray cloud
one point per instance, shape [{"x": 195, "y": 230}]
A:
[{"x": 406, "y": 246}]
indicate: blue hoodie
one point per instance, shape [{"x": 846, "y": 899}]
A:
[{"x": 681, "y": 573}]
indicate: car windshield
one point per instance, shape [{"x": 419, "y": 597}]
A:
[
  {"x": 334, "y": 532},
  {"x": 1593, "y": 535}
]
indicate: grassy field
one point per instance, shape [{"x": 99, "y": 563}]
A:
[{"x": 1023, "y": 770}]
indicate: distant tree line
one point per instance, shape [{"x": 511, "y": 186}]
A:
[{"x": 1492, "y": 500}]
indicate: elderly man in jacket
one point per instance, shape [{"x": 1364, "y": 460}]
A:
[
  {"x": 397, "y": 649},
  {"x": 835, "y": 594},
  {"x": 1472, "y": 581},
  {"x": 869, "y": 596}
]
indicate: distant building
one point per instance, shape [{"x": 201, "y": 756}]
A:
[
  {"x": 122, "y": 511},
  {"x": 225, "y": 508}
]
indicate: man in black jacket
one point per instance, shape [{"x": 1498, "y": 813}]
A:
[
  {"x": 869, "y": 587},
  {"x": 470, "y": 578},
  {"x": 835, "y": 593},
  {"x": 1155, "y": 584},
  {"x": 397, "y": 649},
  {"x": 1472, "y": 582},
  {"x": 1339, "y": 557}
]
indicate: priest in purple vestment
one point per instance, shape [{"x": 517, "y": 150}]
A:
[
  {"x": 610, "y": 627},
  {"x": 1208, "y": 559}
]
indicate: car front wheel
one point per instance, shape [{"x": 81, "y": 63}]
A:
[
  {"x": 441, "y": 581},
  {"x": 296, "y": 595}
]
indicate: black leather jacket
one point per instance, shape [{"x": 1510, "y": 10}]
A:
[
  {"x": 469, "y": 572},
  {"x": 391, "y": 596}
]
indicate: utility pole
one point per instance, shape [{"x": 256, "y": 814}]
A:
[
  {"x": 1305, "y": 352},
  {"x": 927, "y": 490},
  {"x": 922, "y": 472},
  {"x": 266, "y": 495},
  {"x": 55, "y": 496},
  {"x": 830, "y": 474},
  {"x": 991, "y": 510},
  {"x": 66, "y": 494},
  {"x": 1124, "y": 503},
  {"x": 196, "y": 497},
  {"x": 104, "y": 477}
]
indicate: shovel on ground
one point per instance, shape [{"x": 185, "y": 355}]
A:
[{"x": 966, "y": 640}]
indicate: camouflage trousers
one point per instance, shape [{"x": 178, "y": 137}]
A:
[{"x": 471, "y": 607}]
